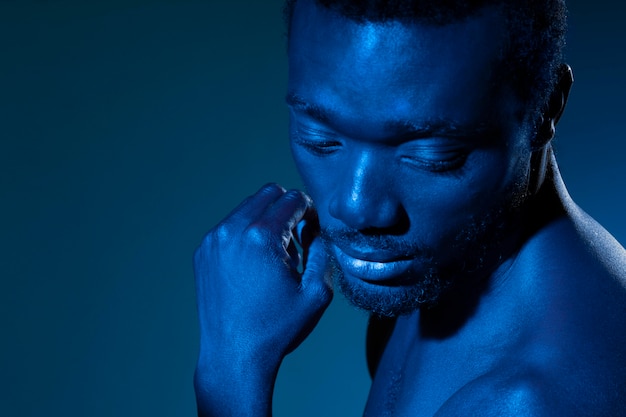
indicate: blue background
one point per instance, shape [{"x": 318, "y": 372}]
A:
[{"x": 128, "y": 129}]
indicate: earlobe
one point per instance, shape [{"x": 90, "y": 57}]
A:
[{"x": 554, "y": 107}]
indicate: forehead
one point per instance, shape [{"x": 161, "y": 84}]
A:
[{"x": 408, "y": 69}]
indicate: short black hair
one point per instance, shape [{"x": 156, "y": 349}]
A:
[{"x": 536, "y": 34}]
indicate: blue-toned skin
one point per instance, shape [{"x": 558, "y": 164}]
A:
[{"x": 398, "y": 131}]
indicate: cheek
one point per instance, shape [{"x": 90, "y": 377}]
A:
[{"x": 441, "y": 207}]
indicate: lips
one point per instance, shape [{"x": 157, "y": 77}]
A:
[{"x": 372, "y": 266}]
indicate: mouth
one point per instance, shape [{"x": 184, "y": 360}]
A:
[{"x": 375, "y": 267}]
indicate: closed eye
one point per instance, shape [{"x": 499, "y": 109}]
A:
[
  {"x": 317, "y": 142},
  {"x": 434, "y": 154}
]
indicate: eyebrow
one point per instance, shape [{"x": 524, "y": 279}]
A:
[
  {"x": 401, "y": 128},
  {"x": 316, "y": 112}
]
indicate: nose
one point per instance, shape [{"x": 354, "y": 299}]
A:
[{"x": 364, "y": 198}]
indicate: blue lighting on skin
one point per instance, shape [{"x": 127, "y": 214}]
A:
[
  {"x": 426, "y": 197},
  {"x": 394, "y": 133}
]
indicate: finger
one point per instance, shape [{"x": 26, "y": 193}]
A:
[
  {"x": 294, "y": 255},
  {"x": 253, "y": 207},
  {"x": 317, "y": 275},
  {"x": 308, "y": 229},
  {"x": 282, "y": 217}
]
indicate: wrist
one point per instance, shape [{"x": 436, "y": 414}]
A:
[{"x": 235, "y": 386}]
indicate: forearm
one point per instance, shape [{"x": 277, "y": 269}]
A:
[{"x": 232, "y": 389}]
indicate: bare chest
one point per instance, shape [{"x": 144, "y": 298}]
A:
[{"x": 415, "y": 378}]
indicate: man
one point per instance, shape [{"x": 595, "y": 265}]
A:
[{"x": 422, "y": 132}]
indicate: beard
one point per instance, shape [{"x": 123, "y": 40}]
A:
[{"x": 477, "y": 249}]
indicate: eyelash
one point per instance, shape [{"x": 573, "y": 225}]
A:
[
  {"x": 318, "y": 147},
  {"x": 451, "y": 164},
  {"x": 325, "y": 147}
]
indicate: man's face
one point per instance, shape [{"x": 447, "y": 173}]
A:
[{"x": 414, "y": 157}]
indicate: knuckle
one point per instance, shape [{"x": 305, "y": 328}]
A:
[
  {"x": 221, "y": 232},
  {"x": 256, "y": 234}
]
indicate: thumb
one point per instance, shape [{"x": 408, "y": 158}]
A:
[{"x": 317, "y": 275}]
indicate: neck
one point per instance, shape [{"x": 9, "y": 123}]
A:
[{"x": 547, "y": 202}]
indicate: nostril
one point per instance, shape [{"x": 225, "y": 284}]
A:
[
  {"x": 371, "y": 214},
  {"x": 399, "y": 226}
]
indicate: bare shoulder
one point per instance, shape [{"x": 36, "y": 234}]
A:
[
  {"x": 531, "y": 394},
  {"x": 570, "y": 360},
  {"x": 577, "y": 261},
  {"x": 578, "y": 302}
]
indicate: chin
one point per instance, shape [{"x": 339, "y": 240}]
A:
[
  {"x": 391, "y": 300},
  {"x": 400, "y": 287}
]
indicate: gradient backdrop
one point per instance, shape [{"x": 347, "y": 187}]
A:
[{"x": 128, "y": 129}]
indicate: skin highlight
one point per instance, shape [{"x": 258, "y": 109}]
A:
[
  {"x": 437, "y": 164},
  {"x": 434, "y": 201}
]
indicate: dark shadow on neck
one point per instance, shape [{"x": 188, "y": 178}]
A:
[{"x": 460, "y": 302}]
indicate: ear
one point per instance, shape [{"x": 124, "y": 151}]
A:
[{"x": 554, "y": 107}]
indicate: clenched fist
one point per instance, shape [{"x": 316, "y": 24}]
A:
[{"x": 258, "y": 297}]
